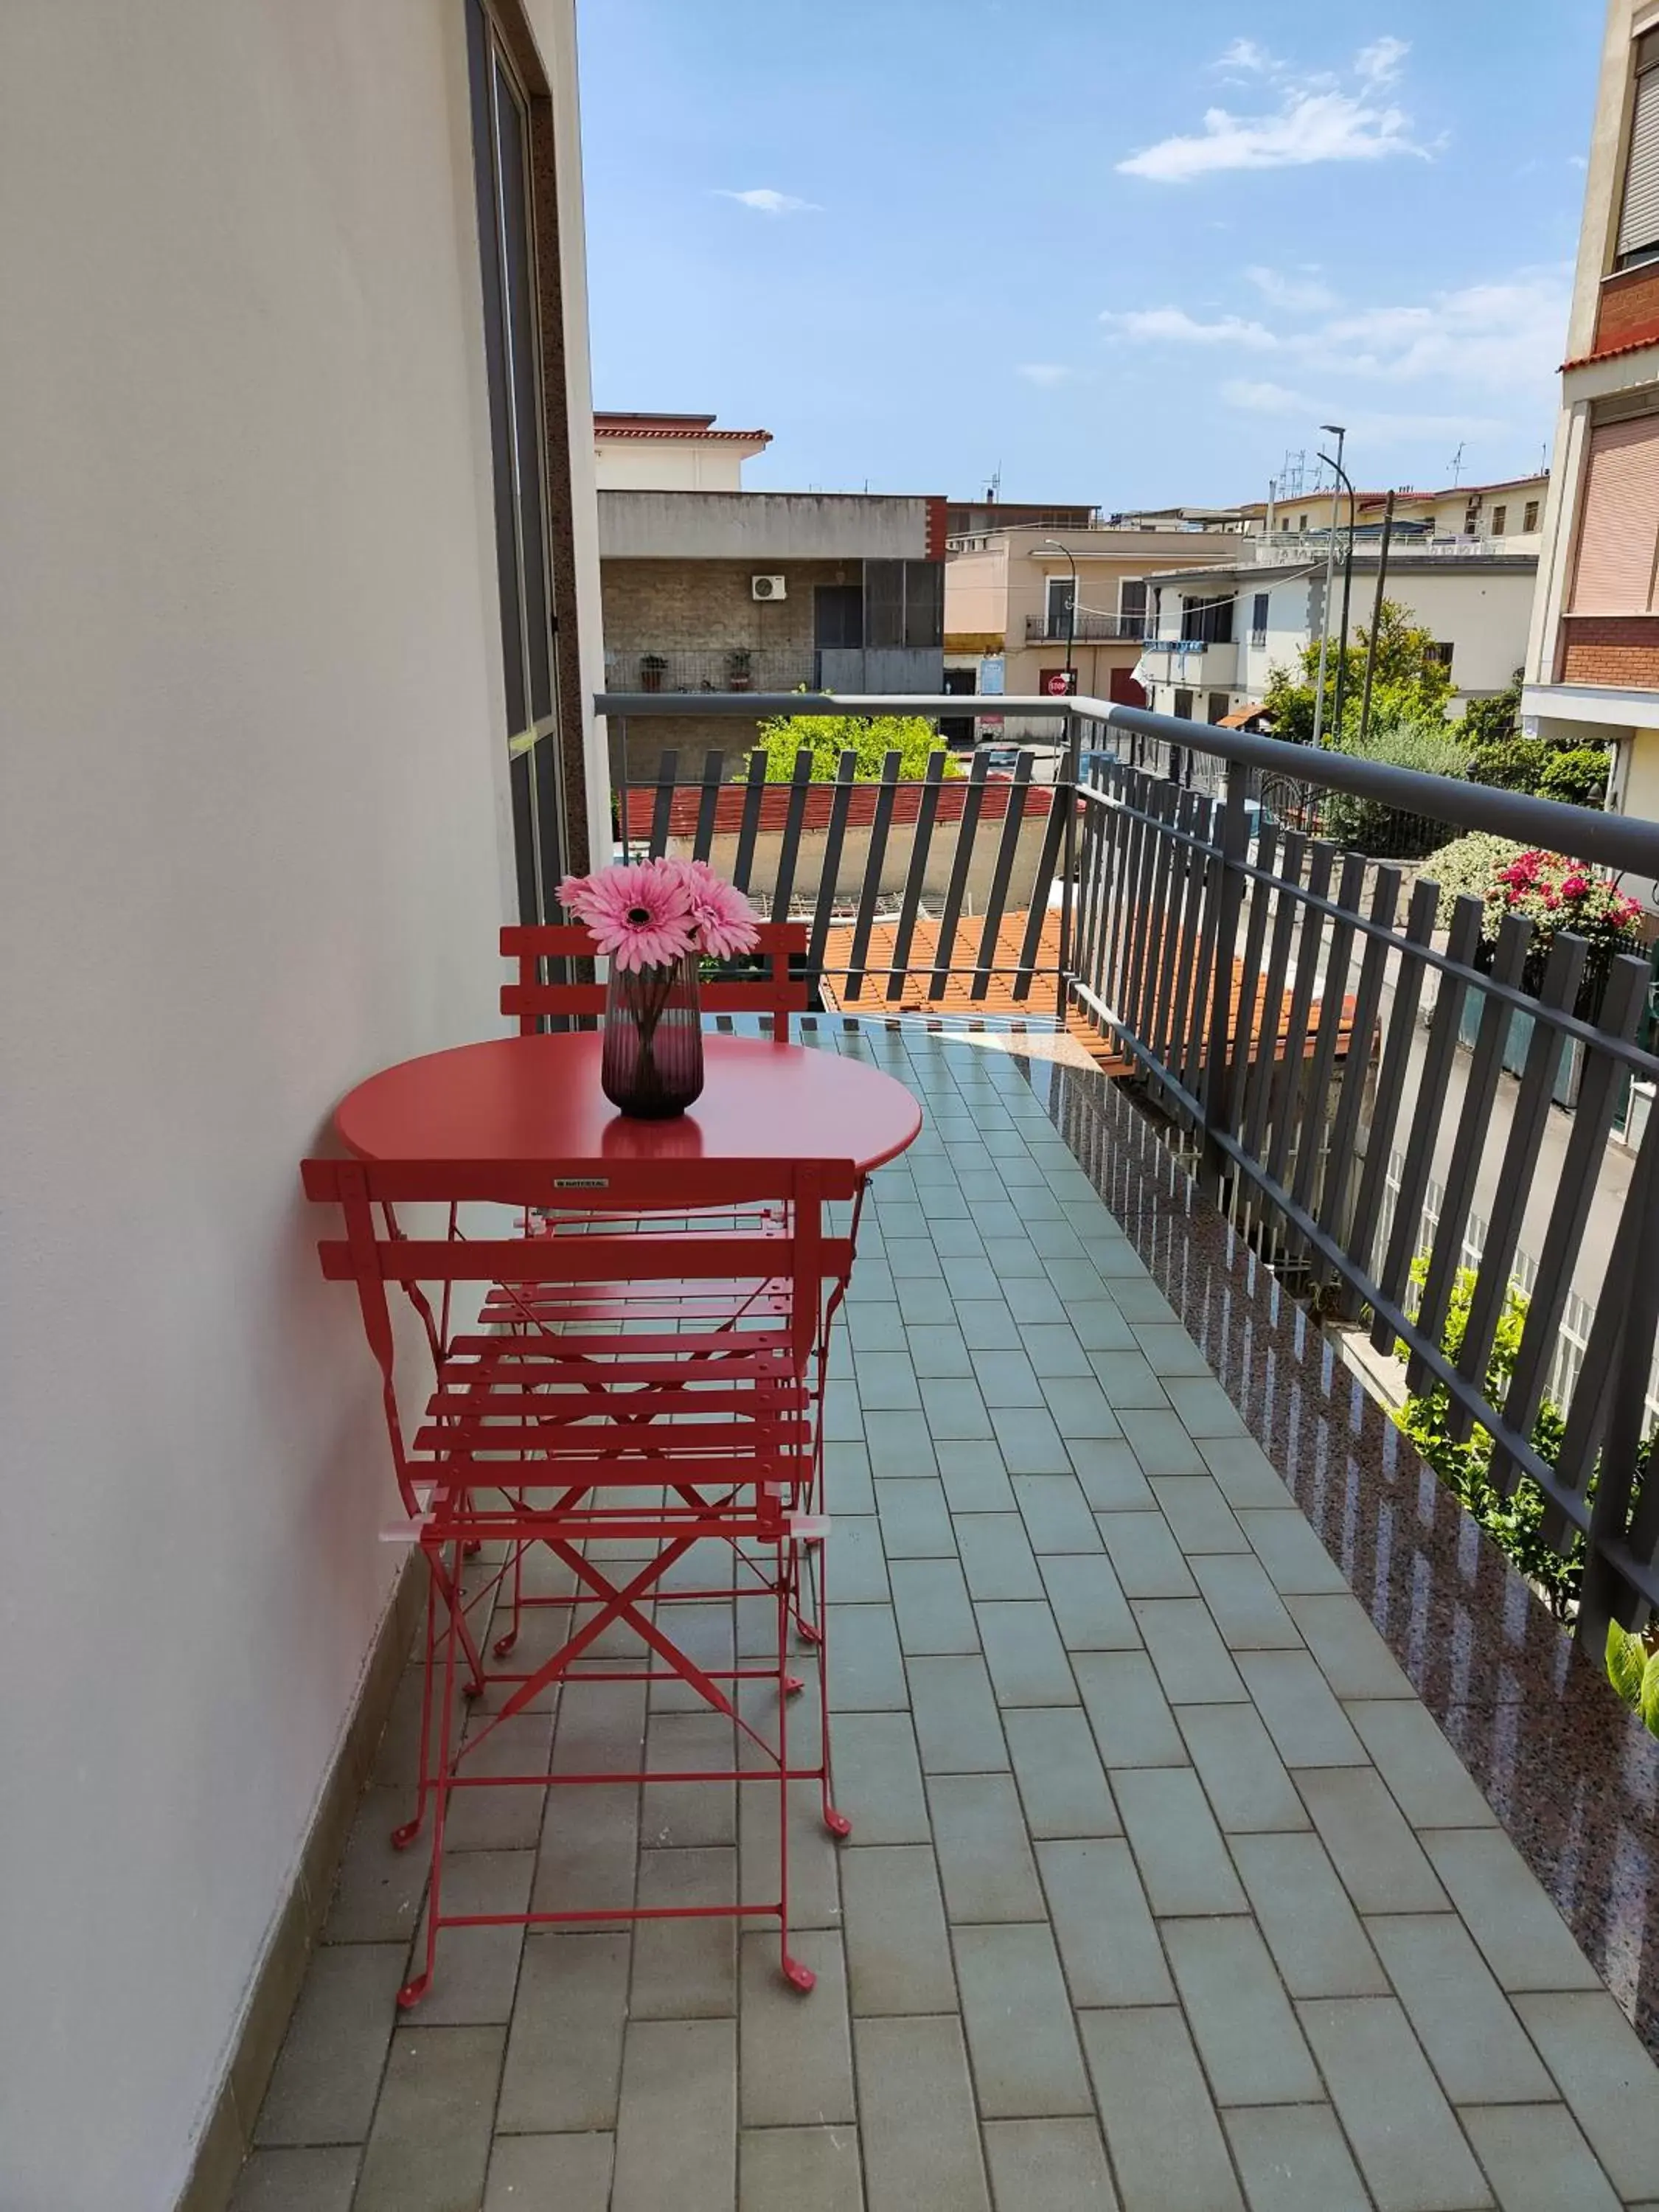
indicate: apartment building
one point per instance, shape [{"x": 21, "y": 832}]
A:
[
  {"x": 1506, "y": 516},
  {"x": 1593, "y": 656}
]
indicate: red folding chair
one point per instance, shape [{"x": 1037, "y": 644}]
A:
[
  {"x": 777, "y": 993},
  {"x": 692, "y": 1410}
]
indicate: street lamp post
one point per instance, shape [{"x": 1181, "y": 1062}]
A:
[
  {"x": 1334, "y": 430},
  {"x": 1054, "y": 545},
  {"x": 1347, "y": 588}
]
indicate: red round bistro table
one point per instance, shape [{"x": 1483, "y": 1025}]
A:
[{"x": 538, "y": 1097}]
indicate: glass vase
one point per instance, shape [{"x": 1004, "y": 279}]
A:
[{"x": 651, "y": 1064}]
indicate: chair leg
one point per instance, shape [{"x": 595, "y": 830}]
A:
[
  {"x": 404, "y": 1837},
  {"x": 795, "y": 1970},
  {"x": 414, "y": 1989},
  {"x": 836, "y": 1822}
]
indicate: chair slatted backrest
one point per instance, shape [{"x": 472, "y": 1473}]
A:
[
  {"x": 778, "y": 992},
  {"x": 375, "y": 1251}
]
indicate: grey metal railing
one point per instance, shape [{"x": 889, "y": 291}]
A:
[
  {"x": 1093, "y": 628},
  {"x": 1278, "y": 976}
]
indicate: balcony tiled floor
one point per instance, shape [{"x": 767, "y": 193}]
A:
[{"x": 1164, "y": 1890}]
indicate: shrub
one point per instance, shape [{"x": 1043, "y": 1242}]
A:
[
  {"x": 1469, "y": 865},
  {"x": 1508, "y": 763},
  {"x": 1489, "y": 721},
  {"x": 1633, "y": 1671},
  {"x": 872, "y": 737},
  {"x": 1576, "y": 774},
  {"x": 1367, "y": 825}
]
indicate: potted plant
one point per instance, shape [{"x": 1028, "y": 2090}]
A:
[
  {"x": 652, "y": 669},
  {"x": 739, "y": 669}
]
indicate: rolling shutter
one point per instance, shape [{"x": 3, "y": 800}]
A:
[
  {"x": 1638, "y": 217},
  {"x": 1619, "y": 525}
]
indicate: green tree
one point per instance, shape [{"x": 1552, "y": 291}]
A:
[
  {"x": 1410, "y": 682},
  {"x": 871, "y": 737}
]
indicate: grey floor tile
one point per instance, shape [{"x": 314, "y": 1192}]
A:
[
  {"x": 855, "y": 1563},
  {"x": 911, "y": 1257},
  {"x": 572, "y": 2172},
  {"x": 1146, "y": 1558},
  {"x": 975, "y": 1479},
  {"x": 955, "y": 1412},
  {"x": 378, "y": 1890},
  {"x": 1024, "y": 1652},
  {"x": 935, "y": 1613},
  {"x": 1204, "y": 1407},
  {"x": 874, "y": 1324},
  {"x": 1293, "y": 2159},
  {"x": 317, "y": 2180},
  {"x": 1062, "y": 1785},
  {"x": 986, "y": 1325},
  {"x": 564, "y": 2047},
  {"x": 1409, "y": 2146},
  {"x": 590, "y": 1843},
  {"x": 1029, "y": 1441},
  {"x": 1380, "y": 1861},
  {"x": 1537, "y": 2159},
  {"x": 1201, "y": 1516},
  {"x": 1239, "y": 2014},
  {"x": 1019, "y": 2023},
  {"x": 879, "y": 1778},
  {"x": 1302, "y": 1717},
  {"x": 997, "y": 1557},
  {"x": 1249, "y": 1611},
  {"x": 922, "y": 2143},
  {"x": 900, "y": 1446},
  {"x": 1244, "y": 1776},
  {"x": 985, "y": 1863},
  {"x": 1059, "y": 2165},
  {"x": 1463, "y": 2021},
  {"x": 794, "y": 2051},
  {"x": 1140, "y": 1297},
  {"x": 799, "y": 2170},
  {"x": 509, "y": 1818},
  {"x": 1169, "y": 1350},
  {"x": 676, "y": 2137},
  {"x": 957, "y": 1728},
  {"x": 1606, "y": 2076},
  {"x": 886, "y": 1382},
  {"x": 477, "y": 1969},
  {"x": 429, "y": 2147},
  {"x": 1186, "y": 1648},
  {"x": 1161, "y": 1444},
  {"x": 938, "y": 1348},
  {"x": 1109, "y": 1945},
  {"x": 1006, "y": 1377},
  {"x": 1246, "y": 1476},
  {"x": 1087, "y": 1599},
  {"x": 1524, "y": 1939},
  {"x": 1035, "y": 1304},
  {"x": 1081, "y": 1409},
  {"x": 814, "y": 1854},
  {"x": 915, "y": 1521},
  {"x": 1177, "y": 1845},
  {"x": 1165, "y": 2140},
  {"x": 1126, "y": 1376},
  {"x": 1303, "y": 1911},
  {"x": 1110, "y": 1476},
  {"x": 1054, "y": 1350},
  {"x": 1429, "y": 1783},
  {"x": 1294, "y": 1557},
  {"x": 685, "y": 1969},
  {"x": 327, "y": 2073},
  {"x": 898, "y": 1956},
  {"x": 1352, "y": 1656},
  {"x": 1100, "y": 1324},
  {"x": 687, "y": 1814},
  {"x": 866, "y": 1669},
  {"x": 1128, "y": 1711}
]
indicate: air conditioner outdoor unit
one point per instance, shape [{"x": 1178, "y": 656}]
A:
[{"x": 767, "y": 587}]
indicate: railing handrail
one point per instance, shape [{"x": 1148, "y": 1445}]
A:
[{"x": 1613, "y": 841}]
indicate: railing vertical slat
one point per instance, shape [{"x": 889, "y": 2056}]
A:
[
  {"x": 972, "y": 799},
  {"x": 713, "y": 767},
  {"x": 1216, "y": 1039},
  {"x": 1475, "y": 1116},
  {"x": 916, "y": 875},
  {"x": 870, "y": 892},
  {"x": 1289, "y": 1123},
  {"x": 1203, "y": 870},
  {"x": 1390, "y": 1083},
  {"x": 834, "y": 838},
  {"x": 1138, "y": 788},
  {"x": 1351, "y": 882},
  {"x": 662, "y": 811},
  {"x": 1564, "y": 975},
  {"x": 1048, "y": 861},
  {"x": 1461, "y": 939},
  {"x": 1262, "y": 1073},
  {"x": 1250, "y": 980},
  {"x": 800, "y": 783},
  {"x": 754, "y": 798},
  {"x": 1367, "y": 1007},
  {"x": 1153, "y": 916},
  {"x": 1003, "y": 869}
]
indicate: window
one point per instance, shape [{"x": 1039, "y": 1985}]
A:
[
  {"x": 1132, "y": 607},
  {"x": 1259, "y": 619},
  {"x": 1500, "y": 516},
  {"x": 1061, "y": 592},
  {"x": 1618, "y": 520},
  {"x": 1530, "y": 515},
  {"x": 1207, "y": 622},
  {"x": 903, "y": 605},
  {"x": 838, "y": 617},
  {"x": 1220, "y": 704},
  {"x": 1638, "y": 214},
  {"x": 1183, "y": 705},
  {"x": 1302, "y": 522},
  {"x": 1443, "y": 653}
]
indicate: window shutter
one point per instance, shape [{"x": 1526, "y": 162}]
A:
[
  {"x": 1639, "y": 218},
  {"x": 1619, "y": 525}
]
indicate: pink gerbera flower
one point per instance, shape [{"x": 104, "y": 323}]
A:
[
  {"x": 721, "y": 916},
  {"x": 639, "y": 912}
]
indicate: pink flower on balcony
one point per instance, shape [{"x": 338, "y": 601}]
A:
[
  {"x": 1574, "y": 887},
  {"x": 721, "y": 916},
  {"x": 639, "y": 912}
]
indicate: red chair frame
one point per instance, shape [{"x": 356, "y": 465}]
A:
[{"x": 779, "y": 993}]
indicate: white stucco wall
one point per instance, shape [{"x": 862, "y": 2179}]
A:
[
  {"x": 667, "y": 465},
  {"x": 251, "y": 849}
]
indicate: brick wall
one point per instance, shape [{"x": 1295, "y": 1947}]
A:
[
  {"x": 1620, "y": 651},
  {"x": 1627, "y": 313},
  {"x": 670, "y": 606}
]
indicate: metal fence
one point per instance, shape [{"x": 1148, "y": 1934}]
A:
[
  {"x": 1094, "y": 627},
  {"x": 1296, "y": 1009}
]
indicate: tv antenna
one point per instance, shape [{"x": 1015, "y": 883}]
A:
[
  {"x": 994, "y": 489},
  {"x": 1457, "y": 463}
]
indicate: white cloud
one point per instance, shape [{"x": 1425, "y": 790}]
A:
[
  {"x": 1175, "y": 326},
  {"x": 1044, "y": 374},
  {"x": 765, "y": 201},
  {"x": 1297, "y": 295},
  {"x": 1576, "y": 162},
  {"x": 1264, "y": 398},
  {"x": 1315, "y": 121},
  {"x": 1379, "y": 63}
]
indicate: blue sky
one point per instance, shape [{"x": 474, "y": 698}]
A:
[{"x": 1127, "y": 254}]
